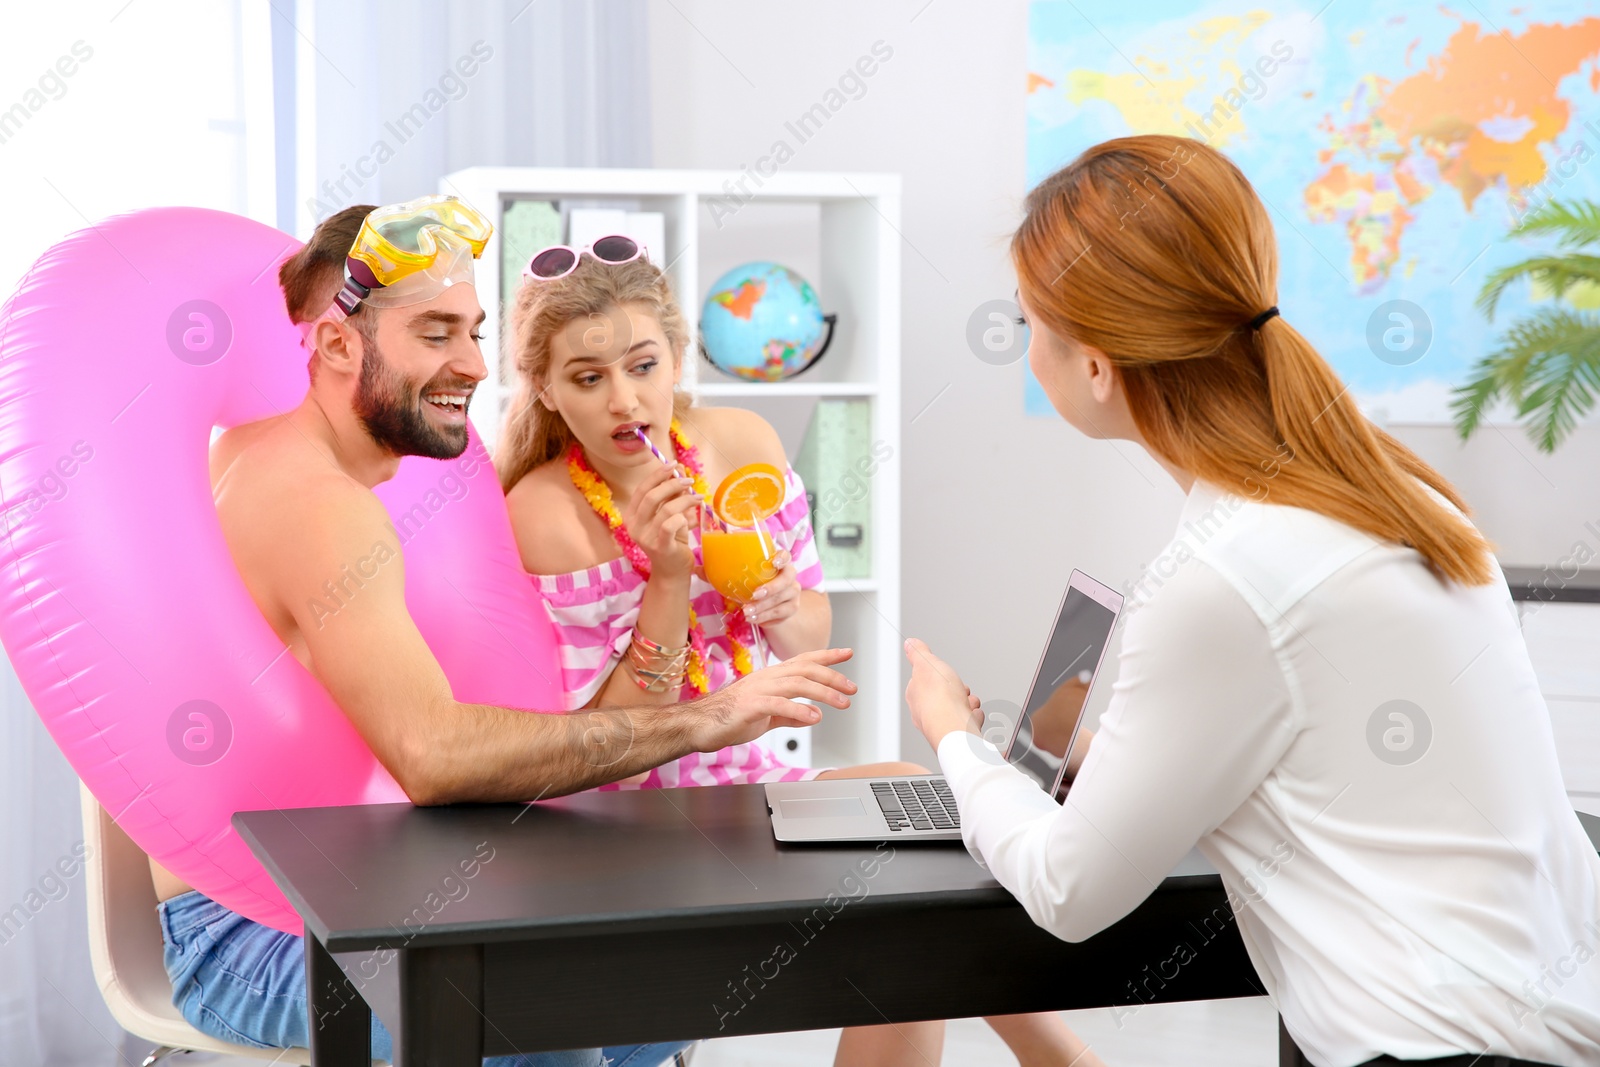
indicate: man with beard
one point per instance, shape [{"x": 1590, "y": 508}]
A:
[{"x": 394, "y": 358}]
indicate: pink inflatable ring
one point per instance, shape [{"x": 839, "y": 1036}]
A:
[{"x": 120, "y": 607}]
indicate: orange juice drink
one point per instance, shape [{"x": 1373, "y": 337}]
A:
[{"x": 736, "y": 562}]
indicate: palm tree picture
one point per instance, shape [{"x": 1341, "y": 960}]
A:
[{"x": 1547, "y": 364}]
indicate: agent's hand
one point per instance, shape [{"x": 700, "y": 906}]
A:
[
  {"x": 779, "y": 598},
  {"x": 658, "y": 515},
  {"x": 940, "y": 702},
  {"x": 744, "y": 710}
]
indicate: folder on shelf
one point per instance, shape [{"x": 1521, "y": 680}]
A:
[
  {"x": 526, "y": 226},
  {"x": 837, "y": 462}
]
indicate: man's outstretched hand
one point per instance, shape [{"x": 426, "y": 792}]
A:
[{"x": 764, "y": 699}]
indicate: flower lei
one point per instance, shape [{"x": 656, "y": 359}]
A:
[{"x": 598, "y": 494}]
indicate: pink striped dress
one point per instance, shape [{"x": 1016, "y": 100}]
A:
[{"x": 594, "y": 611}]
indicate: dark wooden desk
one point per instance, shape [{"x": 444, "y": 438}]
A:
[{"x": 653, "y": 915}]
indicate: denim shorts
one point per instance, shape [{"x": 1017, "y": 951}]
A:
[{"x": 245, "y": 983}]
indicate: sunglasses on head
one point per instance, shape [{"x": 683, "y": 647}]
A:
[{"x": 558, "y": 261}]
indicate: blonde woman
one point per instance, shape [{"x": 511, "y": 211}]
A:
[
  {"x": 1330, "y": 695},
  {"x": 610, "y": 536}
]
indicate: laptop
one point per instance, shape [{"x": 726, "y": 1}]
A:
[{"x": 920, "y": 807}]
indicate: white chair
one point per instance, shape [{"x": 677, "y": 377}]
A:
[{"x": 125, "y": 946}]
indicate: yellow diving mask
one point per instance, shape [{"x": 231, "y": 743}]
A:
[{"x": 411, "y": 252}]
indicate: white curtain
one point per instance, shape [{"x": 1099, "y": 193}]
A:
[
  {"x": 408, "y": 91},
  {"x": 118, "y": 126},
  {"x": 276, "y": 111}
]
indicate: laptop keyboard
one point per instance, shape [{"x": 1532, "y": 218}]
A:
[{"x": 917, "y": 804}]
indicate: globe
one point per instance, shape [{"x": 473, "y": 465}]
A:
[{"x": 762, "y": 322}]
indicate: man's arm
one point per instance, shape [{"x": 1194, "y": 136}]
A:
[{"x": 343, "y": 579}]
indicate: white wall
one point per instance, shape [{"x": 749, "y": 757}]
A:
[{"x": 998, "y": 508}]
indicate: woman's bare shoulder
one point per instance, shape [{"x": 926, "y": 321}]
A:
[
  {"x": 547, "y": 518},
  {"x": 739, "y": 434}
]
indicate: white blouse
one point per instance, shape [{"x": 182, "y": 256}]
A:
[{"x": 1363, "y": 753}]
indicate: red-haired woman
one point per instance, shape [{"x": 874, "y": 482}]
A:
[{"x": 1326, "y": 689}]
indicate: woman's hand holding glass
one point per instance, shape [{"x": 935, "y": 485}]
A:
[
  {"x": 657, "y": 517},
  {"x": 778, "y": 599},
  {"x": 749, "y": 567}
]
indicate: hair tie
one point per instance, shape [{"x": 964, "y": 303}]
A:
[{"x": 1261, "y": 319}]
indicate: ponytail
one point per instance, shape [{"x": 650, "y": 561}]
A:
[{"x": 1167, "y": 289}]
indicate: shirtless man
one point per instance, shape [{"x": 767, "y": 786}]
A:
[{"x": 294, "y": 496}]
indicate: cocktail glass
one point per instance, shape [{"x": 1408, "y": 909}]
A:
[{"x": 738, "y": 561}]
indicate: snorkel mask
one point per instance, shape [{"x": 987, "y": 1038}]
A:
[
  {"x": 407, "y": 254},
  {"x": 411, "y": 252}
]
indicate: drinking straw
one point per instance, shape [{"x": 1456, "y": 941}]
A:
[
  {"x": 639, "y": 432},
  {"x": 767, "y": 538},
  {"x": 651, "y": 445}
]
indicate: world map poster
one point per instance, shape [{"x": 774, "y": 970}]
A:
[{"x": 1394, "y": 146}]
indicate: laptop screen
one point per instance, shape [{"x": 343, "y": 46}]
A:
[{"x": 1049, "y": 721}]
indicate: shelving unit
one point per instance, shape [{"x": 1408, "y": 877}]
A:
[
  {"x": 768, "y": 389},
  {"x": 839, "y": 231}
]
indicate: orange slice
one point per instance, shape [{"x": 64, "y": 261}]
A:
[{"x": 752, "y": 492}]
